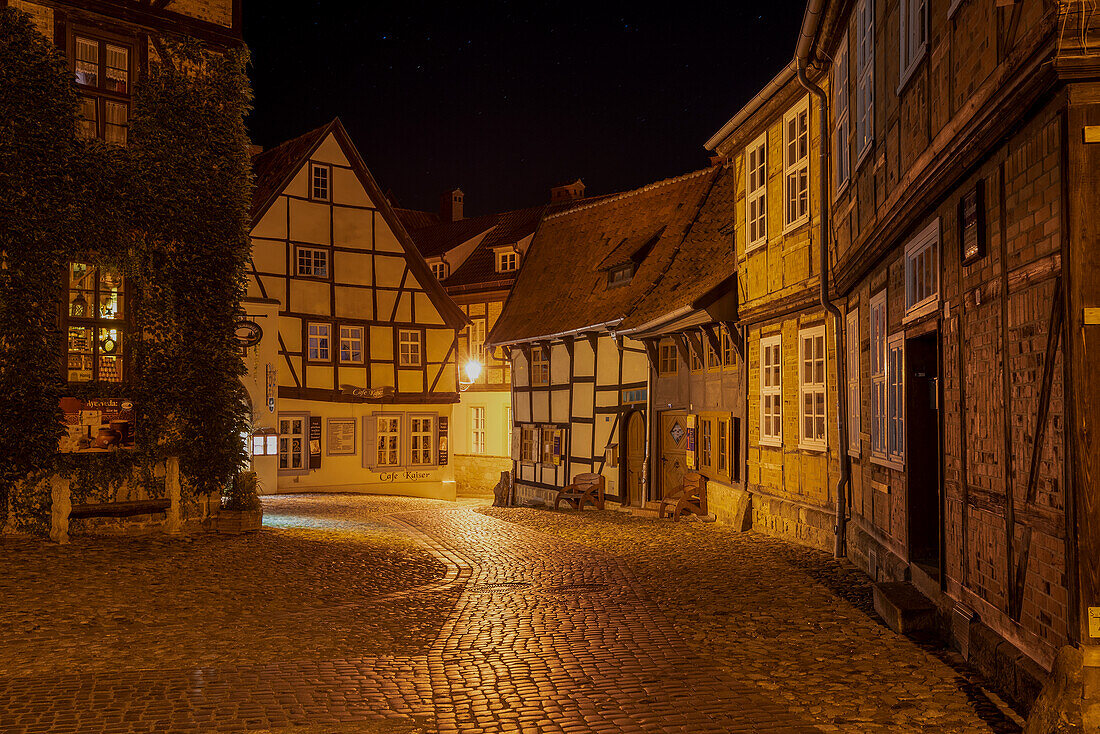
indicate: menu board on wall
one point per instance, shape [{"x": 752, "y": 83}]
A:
[
  {"x": 443, "y": 457},
  {"x": 315, "y": 442},
  {"x": 97, "y": 426},
  {"x": 341, "y": 436}
]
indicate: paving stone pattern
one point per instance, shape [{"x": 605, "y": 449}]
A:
[{"x": 365, "y": 614}]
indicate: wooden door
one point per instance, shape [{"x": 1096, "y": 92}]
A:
[
  {"x": 673, "y": 442},
  {"x": 635, "y": 458}
]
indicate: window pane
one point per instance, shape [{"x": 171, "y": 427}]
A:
[
  {"x": 118, "y": 69},
  {"x": 87, "y": 62},
  {"x": 87, "y": 124},
  {"x": 110, "y": 295},
  {"x": 116, "y": 116}
]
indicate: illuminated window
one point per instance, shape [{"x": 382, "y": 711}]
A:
[
  {"x": 756, "y": 193},
  {"x": 313, "y": 262},
  {"x": 388, "y": 440},
  {"x": 771, "y": 391},
  {"x": 102, "y": 72},
  {"x": 95, "y": 324},
  {"x": 439, "y": 270},
  {"x": 320, "y": 342},
  {"x": 477, "y": 430},
  {"x": 540, "y": 367},
  {"x": 796, "y": 165},
  {"x": 811, "y": 386},
  {"x": 320, "y": 182},
  {"x": 265, "y": 444},
  {"x": 351, "y": 344},
  {"x": 507, "y": 261},
  {"x": 422, "y": 440},
  {"x": 292, "y": 442},
  {"x": 409, "y": 348},
  {"x": 669, "y": 360},
  {"x": 877, "y": 329},
  {"x": 841, "y": 151}
]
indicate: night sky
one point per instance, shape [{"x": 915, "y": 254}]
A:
[{"x": 508, "y": 99}]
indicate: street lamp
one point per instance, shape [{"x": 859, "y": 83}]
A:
[{"x": 472, "y": 368}]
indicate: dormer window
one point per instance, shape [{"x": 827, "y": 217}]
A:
[
  {"x": 439, "y": 269},
  {"x": 620, "y": 275},
  {"x": 507, "y": 261}
]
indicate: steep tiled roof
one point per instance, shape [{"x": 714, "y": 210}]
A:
[
  {"x": 274, "y": 168},
  {"x": 480, "y": 266},
  {"x": 437, "y": 239},
  {"x": 563, "y": 286},
  {"x": 415, "y": 219}
]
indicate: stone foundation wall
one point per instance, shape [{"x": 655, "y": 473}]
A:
[
  {"x": 729, "y": 505},
  {"x": 805, "y": 525},
  {"x": 479, "y": 473}
]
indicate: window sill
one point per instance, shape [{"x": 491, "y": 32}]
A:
[
  {"x": 776, "y": 443},
  {"x": 795, "y": 225},
  {"x": 888, "y": 463},
  {"x": 920, "y": 310},
  {"x": 909, "y": 73},
  {"x": 864, "y": 154},
  {"x": 817, "y": 448},
  {"x": 758, "y": 245}
]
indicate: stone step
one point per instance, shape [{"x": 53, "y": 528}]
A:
[{"x": 902, "y": 607}]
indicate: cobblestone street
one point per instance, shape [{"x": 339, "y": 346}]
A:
[{"x": 357, "y": 613}]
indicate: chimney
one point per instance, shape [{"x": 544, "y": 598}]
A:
[
  {"x": 450, "y": 205},
  {"x": 567, "y": 192}
]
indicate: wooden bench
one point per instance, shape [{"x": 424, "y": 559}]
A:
[
  {"x": 586, "y": 488},
  {"x": 119, "y": 509},
  {"x": 689, "y": 498}
]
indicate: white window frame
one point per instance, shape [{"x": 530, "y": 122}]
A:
[
  {"x": 851, "y": 344},
  {"x": 477, "y": 429},
  {"x": 439, "y": 269},
  {"x": 912, "y": 38},
  {"x": 410, "y": 348},
  {"x": 380, "y": 434},
  {"x": 352, "y": 336},
  {"x": 318, "y": 342},
  {"x": 842, "y": 153},
  {"x": 540, "y": 368},
  {"x": 895, "y": 399},
  {"x": 877, "y": 335},
  {"x": 507, "y": 261},
  {"x": 289, "y": 437},
  {"x": 756, "y": 192},
  {"x": 422, "y": 441},
  {"x": 810, "y": 340},
  {"x": 796, "y": 169},
  {"x": 771, "y": 346},
  {"x": 529, "y": 444},
  {"x": 306, "y": 262},
  {"x": 476, "y": 331},
  {"x": 865, "y": 78},
  {"x": 922, "y": 261},
  {"x": 320, "y": 187}
]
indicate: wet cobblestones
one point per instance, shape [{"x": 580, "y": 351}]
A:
[{"x": 367, "y": 614}]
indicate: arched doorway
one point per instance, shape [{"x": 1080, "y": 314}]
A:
[{"x": 635, "y": 459}]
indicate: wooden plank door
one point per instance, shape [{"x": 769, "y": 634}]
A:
[
  {"x": 673, "y": 459},
  {"x": 635, "y": 458}
]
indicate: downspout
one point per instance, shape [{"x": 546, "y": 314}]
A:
[
  {"x": 810, "y": 22},
  {"x": 646, "y": 496}
]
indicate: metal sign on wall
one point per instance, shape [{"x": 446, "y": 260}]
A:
[
  {"x": 443, "y": 453},
  {"x": 315, "y": 442}
]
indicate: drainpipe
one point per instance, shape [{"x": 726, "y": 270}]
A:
[{"x": 805, "y": 42}]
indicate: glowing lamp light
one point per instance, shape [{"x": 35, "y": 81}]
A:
[{"x": 473, "y": 371}]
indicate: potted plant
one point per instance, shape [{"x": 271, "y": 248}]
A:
[{"x": 241, "y": 510}]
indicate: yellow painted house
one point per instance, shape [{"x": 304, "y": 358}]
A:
[
  {"x": 354, "y": 378},
  {"x": 791, "y": 386}
]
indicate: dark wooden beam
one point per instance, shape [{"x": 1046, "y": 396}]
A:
[
  {"x": 712, "y": 336},
  {"x": 652, "y": 353},
  {"x": 737, "y": 336},
  {"x": 696, "y": 345},
  {"x": 681, "y": 342}
]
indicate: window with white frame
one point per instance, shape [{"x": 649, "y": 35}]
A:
[
  {"x": 865, "y": 76},
  {"x": 313, "y": 262},
  {"x": 771, "y": 391},
  {"x": 841, "y": 152},
  {"x": 913, "y": 38},
  {"x": 292, "y": 442},
  {"x": 895, "y": 398},
  {"x": 409, "y": 347},
  {"x": 756, "y": 193},
  {"x": 811, "y": 387},
  {"x": 477, "y": 337},
  {"x": 796, "y": 164},
  {"x": 507, "y": 261},
  {"x": 669, "y": 360},
  {"x": 529, "y": 444},
  {"x": 439, "y": 269},
  {"x": 851, "y": 343},
  {"x": 388, "y": 440},
  {"x": 877, "y": 330},
  {"x": 540, "y": 367},
  {"x": 320, "y": 183},
  {"x": 351, "y": 344},
  {"x": 421, "y": 440},
  {"x": 319, "y": 342},
  {"x": 477, "y": 430},
  {"x": 922, "y": 271}
]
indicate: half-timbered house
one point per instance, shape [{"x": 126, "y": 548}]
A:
[{"x": 354, "y": 385}]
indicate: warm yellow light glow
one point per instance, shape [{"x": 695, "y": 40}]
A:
[{"x": 473, "y": 370}]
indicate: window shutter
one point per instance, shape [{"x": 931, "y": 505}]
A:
[
  {"x": 370, "y": 442},
  {"x": 515, "y": 442}
]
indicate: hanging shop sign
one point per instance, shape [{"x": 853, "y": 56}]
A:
[
  {"x": 97, "y": 426},
  {"x": 444, "y": 422},
  {"x": 247, "y": 333},
  {"x": 315, "y": 442},
  {"x": 341, "y": 436},
  {"x": 367, "y": 394},
  {"x": 272, "y": 386}
]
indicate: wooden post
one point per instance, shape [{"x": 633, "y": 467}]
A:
[
  {"x": 172, "y": 489},
  {"x": 61, "y": 504}
]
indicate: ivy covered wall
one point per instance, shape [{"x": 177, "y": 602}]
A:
[{"x": 170, "y": 212}]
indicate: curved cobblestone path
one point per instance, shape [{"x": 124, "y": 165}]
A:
[{"x": 366, "y": 614}]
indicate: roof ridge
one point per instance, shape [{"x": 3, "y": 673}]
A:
[{"x": 622, "y": 195}]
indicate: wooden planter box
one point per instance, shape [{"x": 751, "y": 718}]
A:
[{"x": 239, "y": 521}]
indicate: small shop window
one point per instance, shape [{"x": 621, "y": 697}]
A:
[
  {"x": 95, "y": 324},
  {"x": 553, "y": 444},
  {"x": 388, "y": 440},
  {"x": 422, "y": 440},
  {"x": 312, "y": 262},
  {"x": 320, "y": 342},
  {"x": 320, "y": 182},
  {"x": 409, "y": 347},
  {"x": 292, "y": 442},
  {"x": 351, "y": 344},
  {"x": 529, "y": 444}
]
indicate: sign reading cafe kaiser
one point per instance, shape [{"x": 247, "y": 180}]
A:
[{"x": 97, "y": 426}]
